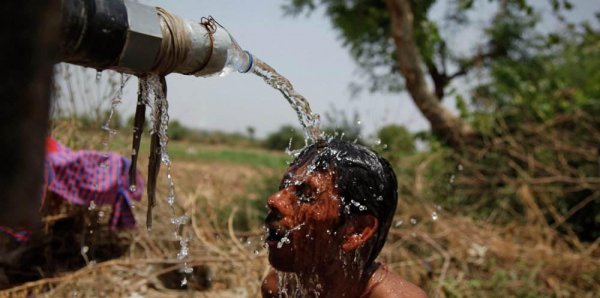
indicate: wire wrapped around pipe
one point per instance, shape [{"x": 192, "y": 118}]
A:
[{"x": 175, "y": 43}]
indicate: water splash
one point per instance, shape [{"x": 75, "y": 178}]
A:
[
  {"x": 310, "y": 121},
  {"x": 398, "y": 223},
  {"x": 285, "y": 239},
  {"x": 155, "y": 87}
]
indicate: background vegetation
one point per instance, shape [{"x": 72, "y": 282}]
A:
[{"x": 502, "y": 200}]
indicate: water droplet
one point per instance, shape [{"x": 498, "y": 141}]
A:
[
  {"x": 385, "y": 146},
  {"x": 84, "y": 250},
  {"x": 460, "y": 167},
  {"x": 256, "y": 252},
  {"x": 452, "y": 178},
  {"x": 92, "y": 206},
  {"x": 181, "y": 220},
  {"x": 413, "y": 221},
  {"x": 98, "y": 75},
  {"x": 377, "y": 142},
  {"x": 398, "y": 223},
  {"x": 358, "y": 122},
  {"x": 101, "y": 214},
  {"x": 183, "y": 252},
  {"x": 379, "y": 198},
  {"x": 280, "y": 243},
  {"x": 184, "y": 281},
  {"x": 132, "y": 188},
  {"x": 434, "y": 216}
]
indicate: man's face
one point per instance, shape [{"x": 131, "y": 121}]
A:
[{"x": 303, "y": 219}]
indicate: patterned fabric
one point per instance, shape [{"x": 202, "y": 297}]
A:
[
  {"x": 20, "y": 235},
  {"x": 82, "y": 177},
  {"x": 85, "y": 177}
]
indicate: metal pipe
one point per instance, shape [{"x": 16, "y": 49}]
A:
[{"x": 134, "y": 38}]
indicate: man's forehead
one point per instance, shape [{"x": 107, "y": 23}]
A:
[{"x": 301, "y": 173}]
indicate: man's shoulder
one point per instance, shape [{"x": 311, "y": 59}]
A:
[
  {"x": 269, "y": 285},
  {"x": 394, "y": 286}
]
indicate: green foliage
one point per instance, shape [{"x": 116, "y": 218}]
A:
[
  {"x": 242, "y": 156},
  {"x": 220, "y": 138},
  {"x": 286, "y": 137},
  {"x": 252, "y": 206},
  {"x": 395, "y": 142},
  {"x": 177, "y": 131},
  {"x": 131, "y": 120},
  {"x": 538, "y": 113},
  {"x": 339, "y": 124},
  {"x": 559, "y": 76},
  {"x": 364, "y": 27}
]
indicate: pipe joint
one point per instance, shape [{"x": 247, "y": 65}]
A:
[
  {"x": 143, "y": 39},
  {"x": 134, "y": 38}
]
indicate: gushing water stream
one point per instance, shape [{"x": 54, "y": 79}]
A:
[
  {"x": 154, "y": 87},
  {"x": 310, "y": 121}
]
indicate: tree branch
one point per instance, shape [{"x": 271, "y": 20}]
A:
[
  {"x": 440, "y": 80},
  {"x": 476, "y": 60},
  {"x": 448, "y": 127}
]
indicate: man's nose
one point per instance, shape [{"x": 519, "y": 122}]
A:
[{"x": 279, "y": 201}]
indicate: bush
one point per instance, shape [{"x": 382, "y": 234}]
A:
[
  {"x": 177, "y": 131},
  {"x": 286, "y": 137},
  {"x": 396, "y": 141}
]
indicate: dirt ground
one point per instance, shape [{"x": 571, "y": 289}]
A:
[
  {"x": 446, "y": 254},
  {"x": 226, "y": 263}
]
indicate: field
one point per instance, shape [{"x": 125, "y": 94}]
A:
[{"x": 223, "y": 190}]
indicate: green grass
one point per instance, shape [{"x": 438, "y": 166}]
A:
[
  {"x": 197, "y": 152},
  {"x": 242, "y": 156}
]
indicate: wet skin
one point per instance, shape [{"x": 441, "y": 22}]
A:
[{"x": 306, "y": 211}]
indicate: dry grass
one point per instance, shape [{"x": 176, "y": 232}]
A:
[{"x": 451, "y": 256}]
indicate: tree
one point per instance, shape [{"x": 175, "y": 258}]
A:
[
  {"x": 178, "y": 131},
  {"x": 286, "y": 137},
  {"x": 338, "y": 124},
  {"x": 251, "y": 131},
  {"x": 395, "y": 39},
  {"x": 395, "y": 142}
]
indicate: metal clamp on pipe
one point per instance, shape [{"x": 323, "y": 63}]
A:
[
  {"x": 134, "y": 38},
  {"x": 143, "y": 38}
]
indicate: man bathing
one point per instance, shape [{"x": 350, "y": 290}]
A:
[{"x": 328, "y": 223}]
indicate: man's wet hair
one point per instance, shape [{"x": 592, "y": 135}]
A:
[{"x": 365, "y": 182}]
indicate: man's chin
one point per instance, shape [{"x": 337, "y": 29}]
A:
[{"x": 281, "y": 259}]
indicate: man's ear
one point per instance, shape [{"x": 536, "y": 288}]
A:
[{"x": 358, "y": 230}]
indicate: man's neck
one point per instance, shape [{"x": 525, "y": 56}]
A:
[{"x": 334, "y": 280}]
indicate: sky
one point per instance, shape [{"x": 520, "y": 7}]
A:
[{"x": 307, "y": 51}]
